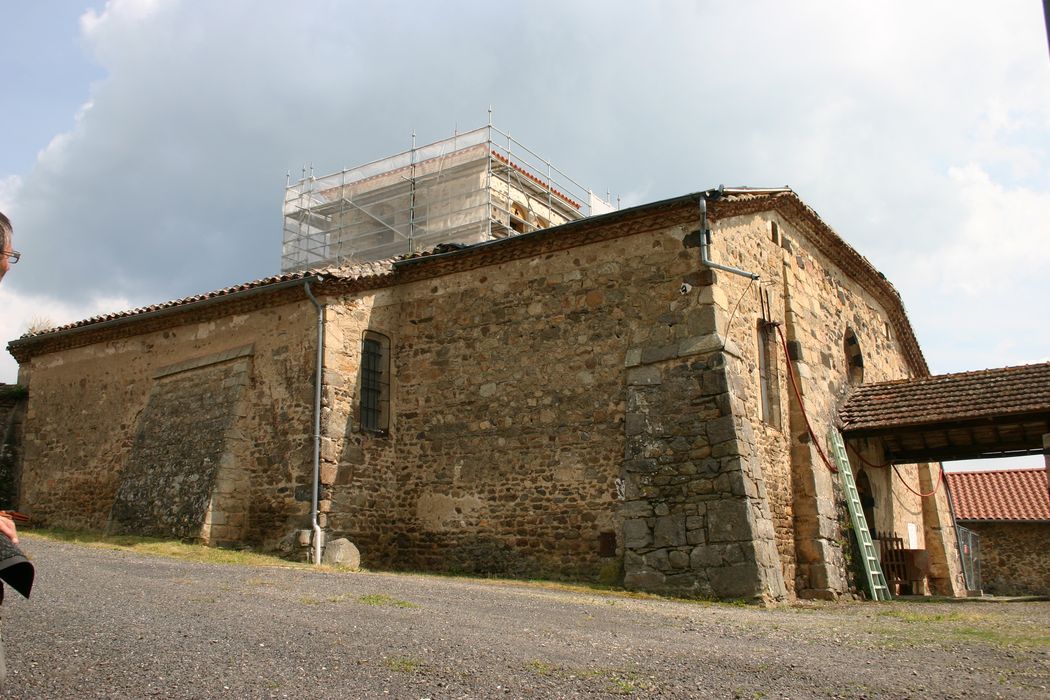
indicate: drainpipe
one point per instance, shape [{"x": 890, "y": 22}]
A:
[
  {"x": 705, "y": 237},
  {"x": 317, "y": 424}
]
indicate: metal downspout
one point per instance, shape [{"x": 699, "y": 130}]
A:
[
  {"x": 315, "y": 525},
  {"x": 705, "y": 237}
]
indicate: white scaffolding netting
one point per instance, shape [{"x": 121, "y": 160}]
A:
[{"x": 465, "y": 189}]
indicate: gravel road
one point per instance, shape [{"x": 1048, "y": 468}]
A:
[{"x": 115, "y": 624}]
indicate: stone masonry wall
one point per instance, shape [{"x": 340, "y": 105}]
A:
[
  {"x": 591, "y": 412},
  {"x": 815, "y": 302},
  {"x": 12, "y": 423},
  {"x": 1014, "y": 557},
  {"x": 696, "y": 519},
  {"x": 504, "y": 378},
  {"x": 507, "y": 443},
  {"x": 88, "y": 404},
  {"x": 167, "y": 483}
]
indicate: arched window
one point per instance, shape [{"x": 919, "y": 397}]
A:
[
  {"x": 519, "y": 218},
  {"x": 374, "y": 413},
  {"x": 854, "y": 358}
]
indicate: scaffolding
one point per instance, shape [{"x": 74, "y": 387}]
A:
[{"x": 472, "y": 187}]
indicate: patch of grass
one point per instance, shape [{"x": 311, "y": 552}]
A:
[
  {"x": 540, "y": 668},
  {"x": 618, "y": 681},
  {"x": 1004, "y": 636},
  {"x": 911, "y": 616},
  {"x": 403, "y": 664},
  {"x": 950, "y": 629},
  {"x": 309, "y": 600},
  {"x": 176, "y": 549},
  {"x": 621, "y": 686},
  {"x": 381, "y": 599}
]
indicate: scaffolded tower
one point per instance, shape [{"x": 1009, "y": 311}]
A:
[{"x": 469, "y": 188}]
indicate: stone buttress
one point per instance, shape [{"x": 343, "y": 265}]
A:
[{"x": 696, "y": 521}]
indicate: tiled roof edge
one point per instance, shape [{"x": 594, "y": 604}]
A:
[
  {"x": 787, "y": 202},
  {"x": 58, "y": 338},
  {"x": 854, "y": 418},
  {"x": 582, "y": 232}
]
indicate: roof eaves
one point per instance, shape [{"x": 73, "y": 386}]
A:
[
  {"x": 161, "y": 310},
  {"x": 787, "y": 202},
  {"x": 561, "y": 229},
  {"x": 1004, "y": 521}
]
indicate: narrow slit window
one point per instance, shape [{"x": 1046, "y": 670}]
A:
[
  {"x": 854, "y": 358},
  {"x": 768, "y": 377}
]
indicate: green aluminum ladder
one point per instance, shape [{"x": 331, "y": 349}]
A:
[{"x": 872, "y": 568}]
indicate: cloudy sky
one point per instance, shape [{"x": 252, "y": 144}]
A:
[{"x": 145, "y": 142}]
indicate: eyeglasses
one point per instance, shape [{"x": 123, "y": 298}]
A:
[{"x": 13, "y": 255}]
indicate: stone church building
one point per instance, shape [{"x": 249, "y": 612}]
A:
[{"x": 589, "y": 400}]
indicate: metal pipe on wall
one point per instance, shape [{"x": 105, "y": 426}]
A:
[
  {"x": 705, "y": 237},
  {"x": 315, "y": 525}
]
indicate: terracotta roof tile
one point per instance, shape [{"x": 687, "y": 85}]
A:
[
  {"x": 1009, "y": 494},
  {"x": 949, "y": 397},
  {"x": 348, "y": 272}
]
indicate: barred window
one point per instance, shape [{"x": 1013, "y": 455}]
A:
[{"x": 375, "y": 383}]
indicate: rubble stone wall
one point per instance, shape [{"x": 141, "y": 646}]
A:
[
  {"x": 591, "y": 412},
  {"x": 124, "y": 409},
  {"x": 1014, "y": 557},
  {"x": 180, "y": 442},
  {"x": 13, "y": 401},
  {"x": 538, "y": 404},
  {"x": 816, "y": 303}
]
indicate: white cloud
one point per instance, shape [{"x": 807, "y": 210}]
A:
[
  {"x": 1002, "y": 239},
  {"x": 9, "y": 188},
  {"x": 21, "y": 311},
  {"x": 978, "y": 292},
  {"x": 117, "y": 16},
  {"x": 918, "y": 130}
]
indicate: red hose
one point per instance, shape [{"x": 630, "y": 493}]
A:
[
  {"x": 802, "y": 406},
  {"x": 940, "y": 473},
  {"x": 940, "y": 478},
  {"x": 865, "y": 462},
  {"x": 816, "y": 443}
]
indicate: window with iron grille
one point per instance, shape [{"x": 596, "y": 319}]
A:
[{"x": 375, "y": 382}]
